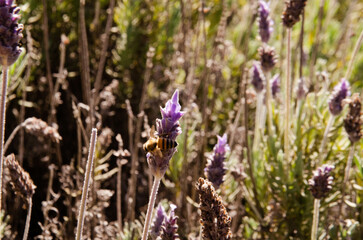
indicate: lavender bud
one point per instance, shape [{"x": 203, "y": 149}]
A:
[
  {"x": 275, "y": 85},
  {"x": 341, "y": 91},
  {"x": 301, "y": 90},
  {"x": 265, "y": 22},
  {"x": 268, "y": 57},
  {"x": 353, "y": 122},
  {"x": 215, "y": 169},
  {"x": 321, "y": 183},
  {"x": 257, "y": 77},
  {"x": 292, "y": 12},
  {"x": 158, "y": 221},
  {"x": 170, "y": 226},
  {"x": 168, "y": 127},
  {"x": 10, "y": 32}
]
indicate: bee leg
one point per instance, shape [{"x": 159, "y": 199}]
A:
[{"x": 158, "y": 151}]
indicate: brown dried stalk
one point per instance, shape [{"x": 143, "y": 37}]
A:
[
  {"x": 215, "y": 220},
  {"x": 22, "y": 185}
]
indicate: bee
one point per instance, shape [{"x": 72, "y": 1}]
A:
[{"x": 157, "y": 144}]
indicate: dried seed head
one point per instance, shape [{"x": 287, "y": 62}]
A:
[
  {"x": 353, "y": 122},
  {"x": 214, "y": 218},
  {"x": 268, "y": 57},
  {"x": 257, "y": 77},
  {"x": 157, "y": 223},
  {"x": 292, "y": 12},
  {"x": 40, "y": 128},
  {"x": 20, "y": 181},
  {"x": 10, "y": 32},
  {"x": 321, "y": 183},
  {"x": 168, "y": 127},
  {"x": 170, "y": 226},
  {"x": 341, "y": 91},
  {"x": 215, "y": 169},
  {"x": 265, "y": 23}
]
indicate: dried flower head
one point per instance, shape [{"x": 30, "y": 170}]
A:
[
  {"x": 215, "y": 169},
  {"x": 265, "y": 23},
  {"x": 167, "y": 127},
  {"x": 341, "y": 91},
  {"x": 292, "y": 12},
  {"x": 40, "y": 128},
  {"x": 157, "y": 223},
  {"x": 10, "y": 32},
  {"x": 214, "y": 218},
  {"x": 321, "y": 183},
  {"x": 302, "y": 89},
  {"x": 268, "y": 57},
  {"x": 20, "y": 180},
  {"x": 170, "y": 226},
  {"x": 353, "y": 122},
  {"x": 257, "y": 77},
  {"x": 275, "y": 85}
]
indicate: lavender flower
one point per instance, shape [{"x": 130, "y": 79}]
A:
[
  {"x": 257, "y": 77},
  {"x": 168, "y": 127},
  {"x": 292, "y": 12},
  {"x": 341, "y": 91},
  {"x": 268, "y": 57},
  {"x": 302, "y": 90},
  {"x": 10, "y": 32},
  {"x": 170, "y": 226},
  {"x": 275, "y": 85},
  {"x": 215, "y": 169},
  {"x": 265, "y": 22},
  {"x": 353, "y": 122},
  {"x": 158, "y": 221},
  {"x": 321, "y": 183}
]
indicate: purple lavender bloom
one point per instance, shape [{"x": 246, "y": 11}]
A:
[
  {"x": 215, "y": 169},
  {"x": 158, "y": 221},
  {"x": 10, "y": 32},
  {"x": 321, "y": 183},
  {"x": 168, "y": 127},
  {"x": 265, "y": 22},
  {"x": 257, "y": 77},
  {"x": 341, "y": 91},
  {"x": 275, "y": 85},
  {"x": 170, "y": 226}
]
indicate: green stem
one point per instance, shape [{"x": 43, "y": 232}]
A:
[
  {"x": 91, "y": 155},
  {"x": 258, "y": 116},
  {"x": 150, "y": 207},
  {"x": 325, "y": 137},
  {"x": 314, "y": 230},
  {"x": 287, "y": 98},
  {"x": 355, "y": 51},
  {"x": 2, "y": 127},
  {"x": 268, "y": 103}
]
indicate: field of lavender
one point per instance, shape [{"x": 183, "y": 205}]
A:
[{"x": 185, "y": 119}]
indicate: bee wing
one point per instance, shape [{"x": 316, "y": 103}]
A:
[{"x": 152, "y": 132}]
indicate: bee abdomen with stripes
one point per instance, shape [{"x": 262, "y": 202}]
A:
[{"x": 166, "y": 143}]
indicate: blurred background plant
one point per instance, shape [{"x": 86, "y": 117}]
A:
[{"x": 110, "y": 64}]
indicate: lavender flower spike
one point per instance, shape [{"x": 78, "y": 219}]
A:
[
  {"x": 341, "y": 91},
  {"x": 170, "y": 226},
  {"x": 215, "y": 169},
  {"x": 257, "y": 77},
  {"x": 275, "y": 85},
  {"x": 10, "y": 32},
  {"x": 167, "y": 127},
  {"x": 158, "y": 221},
  {"x": 265, "y": 23},
  {"x": 321, "y": 183}
]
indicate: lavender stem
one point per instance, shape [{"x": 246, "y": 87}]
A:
[
  {"x": 287, "y": 98},
  {"x": 314, "y": 230},
  {"x": 2, "y": 127},
  {"x": 28, "y": 217},
  {"x": 150, "y": 207},
  {"x": 91, "y": 155},
  {"x": 325, "y": 138}
]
